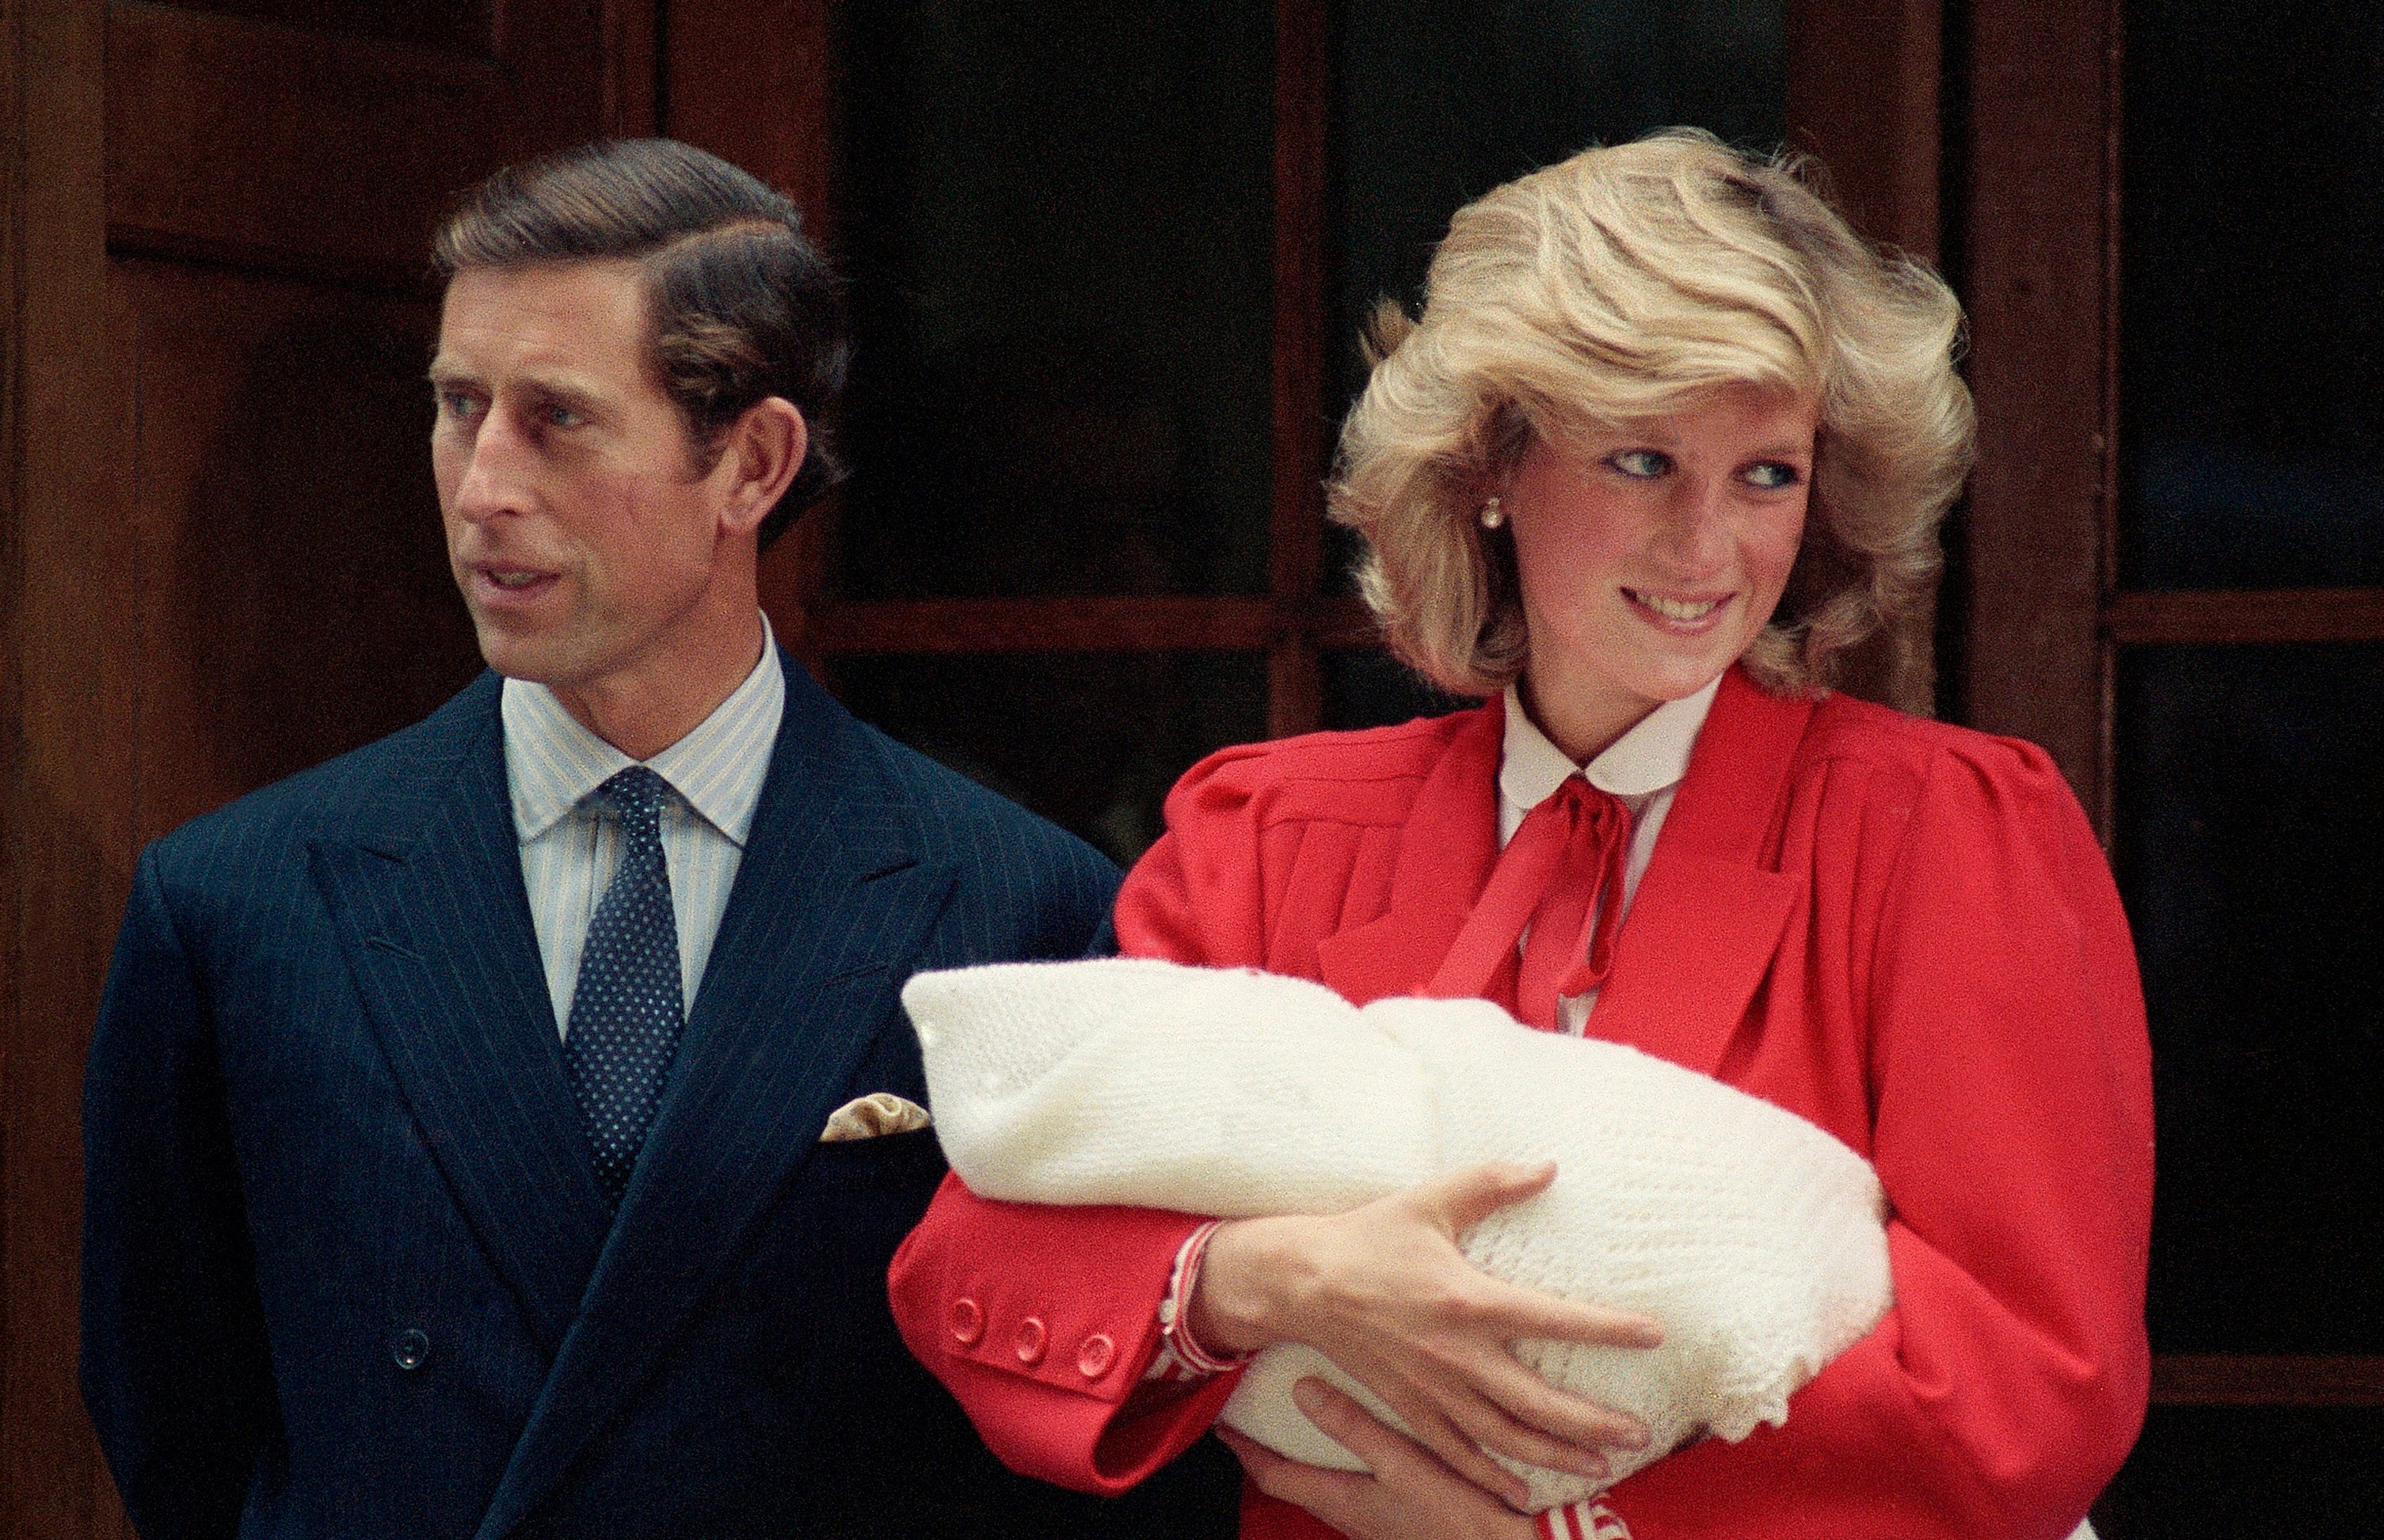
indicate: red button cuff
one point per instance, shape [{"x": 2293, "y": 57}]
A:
[
  {"x": 1093, "y": 1358},
  {"x": 1029, "y": 1341},
  {"x": 967, "y": 1322}
]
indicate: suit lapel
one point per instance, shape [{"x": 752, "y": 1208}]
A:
[
  {"x": 1446, "y": 849},
  {"x": 432, "y": 914},
  {"x": 832, "y": 901},
  {"x": 1707, "y": 919}
]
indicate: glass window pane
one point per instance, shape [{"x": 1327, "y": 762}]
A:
[
  {"x": 2251, "y": 852},
  {"x": 1058, "y": 222},
  {"x": 1091, "y": 741},
  {"x": 2250, "y": 1473},
  {"x": 2251, "y": 347}
]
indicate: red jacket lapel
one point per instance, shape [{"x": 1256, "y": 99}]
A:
[
  {"x": 1446, "y": 848},
  {"x": 1707, "y": 919}
]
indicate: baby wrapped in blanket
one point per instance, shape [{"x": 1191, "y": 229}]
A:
[{"x": 1754, "y": 1237}]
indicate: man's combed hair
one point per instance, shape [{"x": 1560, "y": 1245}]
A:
[
  {"x": 739, "y": 306},
  {"x": 1615, "y": 288}
]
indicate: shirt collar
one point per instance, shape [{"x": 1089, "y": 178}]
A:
[
  {"x": 1652, "y": 756},
  {"x": 553, "y": 762}
]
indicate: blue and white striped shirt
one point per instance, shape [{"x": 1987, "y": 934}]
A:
[{"x": 571, "y": 844}]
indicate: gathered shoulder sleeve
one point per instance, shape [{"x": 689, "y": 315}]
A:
[{"x": 1969, "y": 962}]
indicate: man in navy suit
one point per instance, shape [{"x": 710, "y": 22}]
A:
[{"x": 453, "y": 1119}]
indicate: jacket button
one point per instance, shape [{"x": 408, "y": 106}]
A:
[
  {"x": 968, "y": 1321},
  {"x": 1093, "y": 1358},
  {"x": 1029, "y": 1341},
  {"x": 409, "y": 1347}
]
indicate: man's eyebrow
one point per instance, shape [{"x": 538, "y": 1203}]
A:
[{"x": 575, "y": 388}]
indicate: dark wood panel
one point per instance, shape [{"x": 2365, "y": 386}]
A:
[
  {"x": 1863, "y": 81},
  {"x": 1088, "y": 624},
  {"x": 74, "y": 657},
  {"x": 2247, "y": 615},
  {"x": 1863, "y": 86},
  {"x": 718, "y": 63},
  {"x": 463, "y": 27},
  {"x": 2038, "y": 259},
  {"x": 1299, "y": 429},
  {"x": 2229, "y": 1379},
  {"x": 289, "y": 151},
  {"x": 294, "y": 605}
]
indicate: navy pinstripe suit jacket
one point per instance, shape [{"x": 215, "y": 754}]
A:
[{"x": 328, "y": 1136}]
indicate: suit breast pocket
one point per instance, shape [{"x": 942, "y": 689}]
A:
[{"x": 912, "y": 1159}]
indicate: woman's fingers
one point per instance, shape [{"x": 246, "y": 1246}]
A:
[
  {"x": 1410, "y": 1494},
  {"x": 1539, "y": 1408},
  {"x": 1487, "y": 1423},
  {"x": 1462, "y": 1200},
  {"x": 1434, "y": 1426},
  {"x": 1515, "y": 1313},
  {"x": 1324, "y": 1493}
]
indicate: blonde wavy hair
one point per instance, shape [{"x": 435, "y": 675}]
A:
[{"x": 1613, "y": 288}]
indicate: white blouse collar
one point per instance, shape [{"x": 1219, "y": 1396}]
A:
[{"x": 1652, "y": 756}]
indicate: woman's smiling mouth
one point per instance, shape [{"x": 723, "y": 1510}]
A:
[{"x": 1681, "y": 611}]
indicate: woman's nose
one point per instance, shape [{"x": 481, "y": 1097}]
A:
[{"x": 1696, "y": 534}]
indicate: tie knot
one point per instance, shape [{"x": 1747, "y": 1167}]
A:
[
  {"x": 637, "y": 795},
  {"x": 1585, "y": 804}
]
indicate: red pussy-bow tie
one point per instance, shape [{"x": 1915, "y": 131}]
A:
[{"x": 1568, "y": 856}]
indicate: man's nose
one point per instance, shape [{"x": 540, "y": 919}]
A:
[{"x": 493, "y": 482}]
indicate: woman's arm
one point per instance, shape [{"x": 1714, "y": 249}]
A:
[
  {"x": 2010, "y": 1079},
  {"x": 969, "y": 1280}
]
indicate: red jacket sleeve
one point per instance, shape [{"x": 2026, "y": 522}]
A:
[
  {"x": 1012, "y": 1304},
  {"x": 2010, "y": 1080}
]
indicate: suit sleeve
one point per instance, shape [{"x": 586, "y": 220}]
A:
[
  {"x": 971, "y": 1277},
  {"x": 175, "y": 1369},
  {"x": 2011, "y": 1087}
]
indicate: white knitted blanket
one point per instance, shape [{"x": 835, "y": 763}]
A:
[{"x": 1754, "y": 1237}]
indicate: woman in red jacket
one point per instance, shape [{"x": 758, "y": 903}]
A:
[{"x": 1667, "y": 439}]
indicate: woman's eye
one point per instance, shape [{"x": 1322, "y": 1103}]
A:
[
  {"x": 1643, "y": 464},
  {"x": 1771, "y": 474}
]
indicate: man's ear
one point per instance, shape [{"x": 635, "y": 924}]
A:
[{"x": 759, "y": 457}]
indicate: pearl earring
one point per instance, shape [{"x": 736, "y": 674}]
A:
[{"x": 1491, "y": 517}]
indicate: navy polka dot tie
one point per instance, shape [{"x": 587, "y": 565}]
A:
[{"x": 626, "y": 1012}]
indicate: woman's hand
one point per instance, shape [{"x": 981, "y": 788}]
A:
[
  {"x": 1384, "y": 1291},
  {"x": 1410, "y": 1496}
]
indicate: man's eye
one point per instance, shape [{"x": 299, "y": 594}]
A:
[
  {"x": 455, "y": 403},
  {"x": 562, "y": 416},
  {"x": 1771, "y": 474},
  {"x": 1642, "y": 464}
]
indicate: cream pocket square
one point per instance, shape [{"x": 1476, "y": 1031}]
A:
[{"x": 867, "y": 1116}]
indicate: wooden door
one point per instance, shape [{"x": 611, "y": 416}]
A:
[
  {"x": 223, "y": 559},
  {"x": 2172, "y": 581}
]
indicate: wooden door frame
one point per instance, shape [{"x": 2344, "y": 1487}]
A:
[
  {"x": 2038, "y": 143},
  {"x": 63, "y": 687}
]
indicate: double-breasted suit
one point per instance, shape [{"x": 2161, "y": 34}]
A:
[{"x": 348, "y": 1270}]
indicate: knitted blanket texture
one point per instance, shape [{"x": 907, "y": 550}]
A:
[{"x": 1753, "y": 1236}]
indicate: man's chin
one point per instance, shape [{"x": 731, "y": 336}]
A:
[{"x": 530, "y": 658}]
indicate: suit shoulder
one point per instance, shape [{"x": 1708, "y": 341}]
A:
[
  {"x": 1366, "y": 776},
  {"x": 331, "y": 797}
]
